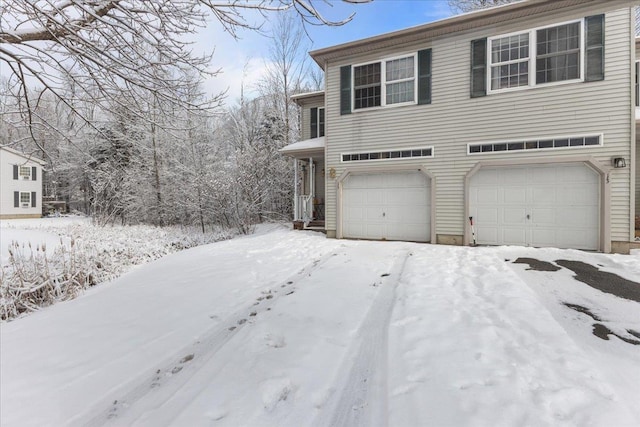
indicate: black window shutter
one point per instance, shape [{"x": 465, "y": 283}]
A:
[
  {"x": 424, "y": 76},
  {"x": 478, "y": 68},
  {"x": 345, "y": 90},
  {"x": 33, "y": 199},
  {"x": 15, "y": 171},
  {"x": 320, "y": 121},
  {"x": 314, "y": 123},
  {"x": 34, "y": 173},
  {"x": 16, "y": 199},
  {"x": 594, "y": 48}
]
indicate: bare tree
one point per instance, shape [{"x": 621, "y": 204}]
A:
[
  {"x": 462, "y": 6},
  {"x": 286, "y": 70},
  {"x": 114, "y": 49}
]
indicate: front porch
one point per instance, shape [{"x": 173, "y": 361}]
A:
[{"x": 309, "y": 183}]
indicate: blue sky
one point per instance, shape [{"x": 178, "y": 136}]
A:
[
  {"x": 377, "y": 17},
  {"x": 242, "y": 60}
]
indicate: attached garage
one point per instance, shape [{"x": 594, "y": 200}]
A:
[
  {"x": 547, "y": 205},
  {"x": 387, "y": 206}
]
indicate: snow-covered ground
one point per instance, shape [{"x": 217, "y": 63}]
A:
[{"x": 291, "y": 329}]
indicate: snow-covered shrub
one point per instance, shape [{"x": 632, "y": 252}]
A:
[{"x": 36, "y": 275}]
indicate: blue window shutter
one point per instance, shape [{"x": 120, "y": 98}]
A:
[
  {"x": 424, "y": 76},
  {"x": 33, "y": 199},
  {"x": 594, "y": 48},
  {"x": 15, "y": 171},
  {"x": 34, "y": 173},
  {"x": 345, "y": 90},
  {"x": 478, "y": 68},
  {"x": 314, "y": 122},
  {"x": 16, "y": 199}
]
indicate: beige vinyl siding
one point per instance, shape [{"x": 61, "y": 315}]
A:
[
  {"x": 305, "y": 116},
  {"x": 454, "y": 120}
]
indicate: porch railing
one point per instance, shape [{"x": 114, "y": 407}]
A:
[{"x": 305, "y": 209}]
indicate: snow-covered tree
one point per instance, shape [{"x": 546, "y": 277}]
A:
[{"x": 114, "y": 50}]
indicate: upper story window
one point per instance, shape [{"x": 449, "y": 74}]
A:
[
  {"x": 510, "y": 61},
  {"x": 557, "y": 52},
  {"x": 384, "y": 83},
  {"x": 317, "y": 122},
  {"x": 568, "y": 52},
  {"x": 25, "y": 172},
  {"x": 403, "y": 80}
]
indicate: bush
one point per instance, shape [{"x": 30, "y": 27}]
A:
[{"x": 36, "y": 276}]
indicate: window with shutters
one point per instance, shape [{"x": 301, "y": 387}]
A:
[
  {"x": 317, "y": 122},
  {"x": 383, "y": 83},
  {"x": 25, "y": 199},
  {"x": 25, "y": 172},
  {"x": 567, "y": 52}
]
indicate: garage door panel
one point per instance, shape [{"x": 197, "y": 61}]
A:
[
  {"x": 395, "y": 206},
  {"x": 513, "y": 176},
  {"x": 544, "y": 196},
  {"x": 515, "y": 195},
  {"x": 486, "y": 195},
  {"x": 513, "y": 215},
  {"x": 512, "y": 235},
  {"x": 552, "y": 205},
  {"x": 544, "y": 216},
  {"x": 485, "y": 216},
  {"x": 487, "y": 177},
  {"x": 488, "y": 235}
]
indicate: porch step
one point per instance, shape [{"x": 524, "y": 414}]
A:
[{"x": 316, "y": 223}]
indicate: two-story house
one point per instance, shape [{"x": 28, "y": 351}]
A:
[
  {"x": 514, "y": 125},
  {"x": 20, "y": 185}
]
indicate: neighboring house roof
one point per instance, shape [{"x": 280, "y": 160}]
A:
[
  {"x": 25, "y": 156},
  {"x": 466, "y": 21},
  {"x": 308, "y": 146},
  {"x": 302, "y": 98}
]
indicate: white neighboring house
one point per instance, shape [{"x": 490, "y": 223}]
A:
[{"x": 20, "y": 185}]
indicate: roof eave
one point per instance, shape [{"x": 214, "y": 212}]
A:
[{"x": 450, "y": 25}]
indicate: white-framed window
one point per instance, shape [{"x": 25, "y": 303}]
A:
[
  {"x": 539, "y": 56},
  {"x": 388, "y": 82},
  {"x": 399, "y": 154},
  {"x": 25, "y": 172},
  {"x": 25, "y": 199},
  {"x": 320, "y": 121},
  {"x": 529, "y": 144}
]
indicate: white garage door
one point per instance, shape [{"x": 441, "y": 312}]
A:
[
  {"x": 548, "y": 205},
  {"x": 390, "y": 206}
]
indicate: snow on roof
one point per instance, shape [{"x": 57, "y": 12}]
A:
[
  {"x": 313, "y": 144},
  {"x": 21, "y": 154}
]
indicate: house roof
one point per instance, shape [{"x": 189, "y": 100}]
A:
[
  {"x": 466, "y": 21},
  {"x": 301, "y": 98},
  {"x": 306, "y": 147},
  {"x": 24, "y": 155}
]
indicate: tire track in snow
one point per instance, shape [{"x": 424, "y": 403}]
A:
[
  {"x": 361, "y": 399},
  {"x": 156, "y": 397}
]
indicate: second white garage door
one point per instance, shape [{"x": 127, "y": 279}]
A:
[
  {"x": 387, "y": 206},
  {"x": 548, "y": 205}
]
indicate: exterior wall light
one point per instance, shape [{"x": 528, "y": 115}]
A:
[{"x": 619, "y": 162}]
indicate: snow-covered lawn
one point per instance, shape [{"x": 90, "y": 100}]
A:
[{"x": 292, "y": 329}]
